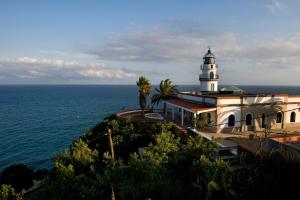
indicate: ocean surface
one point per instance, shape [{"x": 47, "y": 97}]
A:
[{"x": 38, "y": 121}]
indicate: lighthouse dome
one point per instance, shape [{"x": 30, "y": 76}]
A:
[
  {"x": 209, "y": 57},
  {"x": 209, "y": 54}
]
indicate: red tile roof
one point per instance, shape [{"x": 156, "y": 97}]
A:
[{"x": 189, "y": 105}]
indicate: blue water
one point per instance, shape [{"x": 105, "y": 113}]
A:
[{"x": 38, "y": 121}]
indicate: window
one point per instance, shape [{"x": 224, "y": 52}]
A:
[
  {"x": 211, "y": 66},
  {"x": 279, "y": 117},
  {"x": 212, "y": 87},
  {"x": 208, "y": 118},
  {"x": 249, "y": 119},
  {"x": 231, "y": 121},
  {"x": 263, "y": 121},
  {"x": 293, "y": 117},
  {"x": 211, "y": 75}
]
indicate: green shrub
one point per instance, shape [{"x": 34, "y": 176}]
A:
[
  {"x": 7, "y": 192},
  {"x": 19, "y": 176},
  {"x": 41, "y": 174}
]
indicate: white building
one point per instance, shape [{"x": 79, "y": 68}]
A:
[{"x": 231, "y": 110}]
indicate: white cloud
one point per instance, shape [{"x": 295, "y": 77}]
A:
[
  {"x": 174, "y": 52},
  {"x": 237, "y": 54},
  {"x": 106, "y": 73},
  {"x": 173, "y": 47},
  {"x": 45, "y": 70}
]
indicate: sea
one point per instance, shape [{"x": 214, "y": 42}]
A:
[{"x": 38, "y": 121}]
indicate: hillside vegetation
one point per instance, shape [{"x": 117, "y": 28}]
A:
[{"x": 170, "y": 166}]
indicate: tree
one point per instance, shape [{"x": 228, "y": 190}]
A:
[
  {"x": 165, "y": 91},
  {"x": 165, "y": 144},
  {"x": 201, "y": 122},
  {"x": 212, "y": 179},
  {"x": 268, "y": 175},
  {"x": 40, "y": 174},
  {"x": 168, "y": 168},
  {"x": 7, "y": 192},
  {"x": 19, "y": 176},
  {"x": 81, "y": 157},
  {"x": 144, "y": 90}
]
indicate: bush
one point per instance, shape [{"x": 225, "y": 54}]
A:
[
  {"x": 9, "y": 193},
  {"x": 41, "y": 174},
  {"x": 19, "y": 176}
]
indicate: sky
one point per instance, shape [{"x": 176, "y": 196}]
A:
[{"x": 255, "y": 42}]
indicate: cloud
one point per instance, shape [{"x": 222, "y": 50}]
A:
[
  {"x": 161, "y": 46},
  {"x": 100, "y": 73},
  {"x": 239, "y": 55},
  {"x": 176, "y": 50},
  {"x": 275, "y": 7},
  {"x": 66, "y": 54},
  {"x": 280, "y": 53},
  {"x": 28, "y": 68},
  {"x": 164, "y": 46}
]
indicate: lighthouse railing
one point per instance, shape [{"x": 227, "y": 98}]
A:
[{"x": 208, "y": 77}]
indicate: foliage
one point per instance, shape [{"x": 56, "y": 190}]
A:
[
  {"x": 7, "y": 192},
  {"x": 165, "y": 91},
  {"x": 81, "y": 157},
  {"x": 212, "y": 178},
  {"x": 127, "y": 136},
  {"x": 165, "y": 144},
  {"x": 80, "y": 173},
  {"x": 19, "y": 176},
  {"x": 73, "y": 176},
  {"x": 201, "y": 122},
  {"x": 167, "y": 169},
  {"x": 41, "y": 174},
  {"x": 144, "y": 90},
  {"x": 198, "y": 146},
  {"x": 273, "y": 175}
]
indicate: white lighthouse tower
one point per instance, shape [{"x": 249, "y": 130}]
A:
[{"x": 209, "y": 77}]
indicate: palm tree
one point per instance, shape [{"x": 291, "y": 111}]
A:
[
  {"x": 144, "y": 89},
  {"x": 165, "y": 91}
]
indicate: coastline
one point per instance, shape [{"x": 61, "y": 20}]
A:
[{"x": 56, "y": 122}]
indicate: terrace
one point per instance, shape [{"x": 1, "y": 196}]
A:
[
  {"x": 227, "y": 148},
  {"x": 228, "y": 142}
]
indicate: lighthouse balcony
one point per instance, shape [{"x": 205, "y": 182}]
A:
[
  {"x": 206, "y": 67},
  {"x": 205, "y": 77}
]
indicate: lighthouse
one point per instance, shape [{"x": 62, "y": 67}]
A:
[{"x": 209, "y": 77}]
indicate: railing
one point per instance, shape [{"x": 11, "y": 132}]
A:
[
  {"x": 202, "y": 67},
  {"x": 205, "y": 77},
  {"x": 124, "y": 112}
]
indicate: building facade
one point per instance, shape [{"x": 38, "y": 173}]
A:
[
  {"x": 238, "y": 113},
  {"x": 230, "y": 111}
]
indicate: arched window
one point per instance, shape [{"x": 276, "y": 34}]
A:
[
  {"x": 279, "y": 117},
  {"x": 212, "y": 87},
  {"x": 293, "y": 117},
  {"x": 211, "y": 75},
  {"x": 249, "y": 119},
  {"x": 231, "y": 120},
  {"x": 263, "y": 121}
]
